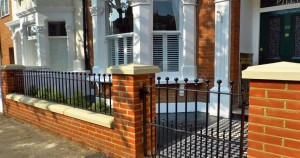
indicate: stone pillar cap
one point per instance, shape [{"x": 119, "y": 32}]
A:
[
  {"x": 133, "y": 69},
  {"x": 287, "y": 71},
  {"x": 12, "y": 67}
]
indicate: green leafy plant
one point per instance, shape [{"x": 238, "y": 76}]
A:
[
  {"x": 101, "y": 106},
  {"x": 77, "y": 100},
  {"x": 32, "y": 90},
  {"x": 50, "y": 95}
]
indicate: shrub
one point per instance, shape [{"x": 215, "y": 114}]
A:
[
  {"x": 101, "y": 106},
  {"x": 50, "y": 95},
  {"x": 32, "y": 90}
]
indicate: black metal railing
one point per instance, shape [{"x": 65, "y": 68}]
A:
[
  {"x": 77, "y": 89},
  {"x": 184, "y": 126}
]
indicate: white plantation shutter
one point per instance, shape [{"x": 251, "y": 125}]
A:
[
  {"x": 158, "y": 50},
  {"x": 129, "y": 42},
  {"x": 120, "y": 50},
  {"x": 166, "y": 52},
  {"x": 111, "y": 52},
  {"x": 173, "y": 53}
]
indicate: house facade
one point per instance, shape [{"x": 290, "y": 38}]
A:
[
  {"x": 48, "y": 33},
  {"x": 203, "y": 39}
]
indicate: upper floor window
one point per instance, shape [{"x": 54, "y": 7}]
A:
[
  {"x": 119, "y": 17},
  {"x": 4, "y": 7},
  {"x": 119, "y": 28},
  {"x": 57, "y": 28},
  {"x": 166, "y": 15},
  {"x": 166, "y": 35},
  {"x": 31, "y": 32}
]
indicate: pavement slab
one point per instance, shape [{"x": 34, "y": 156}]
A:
[{"x": 23, "y": 140}]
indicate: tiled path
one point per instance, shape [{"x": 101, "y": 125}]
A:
[{"x": 186, "y": 145}]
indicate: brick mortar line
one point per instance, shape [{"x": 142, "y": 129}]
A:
[
  {"x": 277, "y": 126},
  {"x": 269, "y": 89},
  {"x": 274, "y": 135},
  {"x": 272, "y": 108},
  {"x": 266, "y": 152}
]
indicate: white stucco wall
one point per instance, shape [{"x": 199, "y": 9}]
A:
[
  {"x": 246, "y": 26},
  {"x": 54, "y": 3},
  {"x": 78, "y": 29},
  {"x": 26, "y": 4}
]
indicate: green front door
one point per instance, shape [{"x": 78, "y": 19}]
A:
[{"x": 280, "y": 36}]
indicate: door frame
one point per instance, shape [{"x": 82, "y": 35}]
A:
[
  {"x": 256, "y": 11},
  {"x": 286, "y": 36}
]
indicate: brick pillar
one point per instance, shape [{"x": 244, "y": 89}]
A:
[
  {"x": 8, "y": 73},
  {"x": 128, "y": 107},
  {"x": 274, "y": 110}
]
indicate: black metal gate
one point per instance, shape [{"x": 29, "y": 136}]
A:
[{"x": 176, "y": 128}]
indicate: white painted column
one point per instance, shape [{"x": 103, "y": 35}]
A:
[
  {"x": 42, "y": 46},
  {"x": 188, "y": 69},
  {"x": 71, "y": 43},
  {"x": 142, "y": 31},
  {"x": 99, "y": 43},
  {"x": 42, "y": 40},
  {"x": 24, "y": 45},
  {"x": 222, "y": 56}
]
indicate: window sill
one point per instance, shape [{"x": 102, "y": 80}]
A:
[
  {"x": 84, "y": 115},
  {"x": 3, "y": 16}
]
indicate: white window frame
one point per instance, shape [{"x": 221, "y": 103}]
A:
[
  {"x": 143, "y": 41},
  {"x": 4, "y": 3},
  {"x": 126, "y": 50},
  {"x": 33, "y": 37}
]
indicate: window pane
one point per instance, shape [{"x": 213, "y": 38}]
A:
[
  {"x": 166, "y": 15},
  {"x": 57, "y": 28},
  {"x": 4, "y": 7},
  {"x": 31, "y": 30},
  {"x": 119, "y": 18}
]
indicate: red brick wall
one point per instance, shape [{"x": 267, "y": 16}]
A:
[
  {"x": 5, "y": 37},
  {"x": 206, "y": 39},
  {"x": 124, "y": 140},
  {"x": 235, "y": 43},
  {"x": 274, "y": 119}
]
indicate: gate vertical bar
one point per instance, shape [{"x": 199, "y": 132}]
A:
[
  {"x": 218, "y": 116},
  {"x": 230, "y": 117},
  {"x": 151, "y": 114},
  {"x": 206, "y": 116},
  {"x": 176, "y": 112},
  {"x": 196, "y": 112},
  {"x": 158, "y": 102},
  {"x": 143, "y": 96}
]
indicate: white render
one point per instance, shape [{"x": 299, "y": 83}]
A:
[
  {"x": 38, "y": 13},
  {"x": 142, "y": 32},
  {"x": 222, "y": 57},
  {"x": 189, "y": 68},
  {"x": 99, "y": 43}
]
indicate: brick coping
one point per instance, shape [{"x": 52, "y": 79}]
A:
[
  {"x": 286, "y": 71},
  {"x": 84, "y": 115}
]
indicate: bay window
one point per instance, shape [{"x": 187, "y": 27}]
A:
[{"x": 158, "y": 32}]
